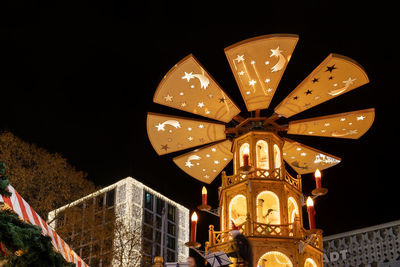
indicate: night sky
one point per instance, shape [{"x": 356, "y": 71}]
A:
[{"x": 78, "y": 79}]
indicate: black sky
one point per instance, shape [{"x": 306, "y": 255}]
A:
[{"x": 78, "y": 79}]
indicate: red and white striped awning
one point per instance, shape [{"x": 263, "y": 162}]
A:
[{"x": 25, "y": 212}]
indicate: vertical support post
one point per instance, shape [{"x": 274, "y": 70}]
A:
[
  {"x": 248, "y": 229},
  {"x": 260, "y": 210},
  {"x": 211, "y": 236}
]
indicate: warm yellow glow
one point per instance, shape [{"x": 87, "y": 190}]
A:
[
  {"x": 293, "y": 209},
  {"x": 310, "y": 202},
  {"x": 310, "y": 263},
  {"x": 262, "y": 154},
  {"x": 277, "y": 156},
  {"x": 238, "y": 209},
  {"x": 244, "y": 150},
  {"x": 194, "y": 217},
  {"x": 270, "y": 210},
  {"x": 274, "y": 259},
  {"x": 317, "y": 174},
  {"x": 204, "y": 191}
]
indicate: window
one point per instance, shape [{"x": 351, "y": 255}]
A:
[
  {"x": 277, "y": 156},
  {"x": 310, "y": 263},
  {"x": 268, "y": 208},
  {"x": 238, "y": 209},
  {"x": 293, "y": 209},
  {"x": 148, "y": 201},
  {"x": 244, "y": 150},
  {"x": 262, "y": 155},
  {"x": 160, "y": 206},
  {"x": 274, "y": 259},
  {"x": 171, "y": 213},
  {"x": 159, "y": 228},
  {"x": 110, "y": 198}
]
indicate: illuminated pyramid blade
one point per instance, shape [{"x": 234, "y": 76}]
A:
[
  {"x": 258, "y": 65},
  {"x": 345, "y": 125},
  {"x": 304, "y": 159},
  {"x": 188, "y": 87},
  {"x": 206, "y": 163},
  {"x": 169, "y": 133},
  {"x": 335, "y": 76}
]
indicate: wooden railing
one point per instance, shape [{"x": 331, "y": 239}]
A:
[
  {"x": 255, "y": 229},
  {"x": 230, "y": 180}
]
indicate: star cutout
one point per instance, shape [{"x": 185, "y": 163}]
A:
[
  {"x": 267, "y": 80},
  {"x": 266, "y": 62},
  {"x": 342, "y": 119},
  {"x": 252, "y": 82},
  {"x": 201, "y": 126},
  {"x": 269, "y": 90},
  {"x": 190, "y": 138},
  {"x": 239, "y": 58},
  {"x": 308, "y": 92},
  {"x": 353, "y": 131},
  {"x": 327, "y": 124},
  {"x": 168, "y": 98},
  {"x": 222, "y": 100},
  {"x": 210, "y": 96},
  {"x": 216, "y": 162},
  {"x": 213, "y": 149},
  {"x": 315, "y": 80},
  {"x": 206, "y": 176},
  {"x": 189, "y": 129},
  {"x": 252, "y": 62},
  {"x": 207, "y": 155},
  {"x": 201, "y": 140},
  {"x": 188, "y": 164},
  {"x": 331, "y": 68},
  {"x": 349, "y": 81},
  {"x": 165, "y": 147},
  {"x": 295, "y": 98},
  {"x": 303, "y": 154},
  {"x": 160, "y": 127},
  {"x": 200, "y": 104},
  {"x": 183, "y": 104},
  {"x": 361, "y": 118},
  {"x": 188, "y": 76},
  {"x": 248, "y": 92},
  {"x": 275, "y": 52},
  {"x": 330, "y": 78},
  {"x": 241, "y": 73}
]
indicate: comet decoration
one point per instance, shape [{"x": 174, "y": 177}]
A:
[
  {"x": 257, "y": 65},
  {"x": 281, "y": 62}
]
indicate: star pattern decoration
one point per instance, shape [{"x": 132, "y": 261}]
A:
[
  {"x": 160, "y": 127},
  {"x": 330, "y": 78},
  {"x": 200, "y": 104},
  {"x": 241, "y": 73},
  {"x": 188, "y": 76},
  {"x": 275, "y": 52},
  {"x": 168, "y": 98},
  {"x": 239, "y": 58},
  {"x": 222, "y": 100},
  {"x": 315, "y": 80},
  {"x": 252, "y": 82},
  {"x": 331, "y": 68},
  {"x": 308, "y": 92},
  {"x": 165, "y": 147},
  {"x": 295, "y": 98}
]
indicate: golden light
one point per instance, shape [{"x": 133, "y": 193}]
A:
[
  {"x": 194, "y": 217},
  {"x": 246, "y": 150},
  {"x": 204, "y": 191},
  {"x": 317, "y": 174},
  {"x": 310, "y": 202}
]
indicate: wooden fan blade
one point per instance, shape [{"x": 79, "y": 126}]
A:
[
  {"x": 345, "y": 125},
  {"x": 258, "y": 65},
  {"x": 335, "y": 76},
  {"x": 304, "y": 159},
  {"x": 188, "y": 87},
  {"x": 170, "y": 133},
  {"x": 206, "y": 163}
]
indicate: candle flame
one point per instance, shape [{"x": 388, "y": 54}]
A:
[
  {"x": 317, "y": 174},
  {"x": 246, "y": 150},
  {"x": 310, "y": 202},
  {"x": 204, "y": 191},
  {"x": 194, "y": 217}
]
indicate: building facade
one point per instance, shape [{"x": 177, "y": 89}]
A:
[
  {"x": 161, "y": 226},
  {"x": 376, "y": 246}
]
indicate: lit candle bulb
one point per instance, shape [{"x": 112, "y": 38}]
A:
[
  {"x": 204, "y": 196},
  {"x": 317, "y": 175},
  {"x": 311, "y": 212},
  {"x": 193, "y": 228}
]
